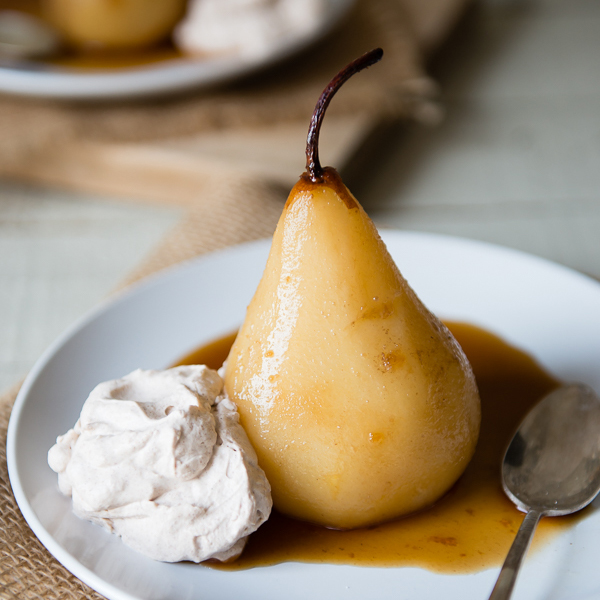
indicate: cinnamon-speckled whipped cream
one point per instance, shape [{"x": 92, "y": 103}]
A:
[
  {"x": 160, "y": 459},
  {"x": 249, "y": 28}
]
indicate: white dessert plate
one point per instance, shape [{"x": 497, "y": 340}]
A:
[
  {"x": 45, "y": 80},
  {"x": 549, "y": 311}
]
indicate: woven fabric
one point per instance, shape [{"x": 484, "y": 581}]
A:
[
  {"x": 228, "y": 213},
  {"x": 27, "y": 571}
]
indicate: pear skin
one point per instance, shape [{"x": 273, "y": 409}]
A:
[{"x": 361, "y": 405}]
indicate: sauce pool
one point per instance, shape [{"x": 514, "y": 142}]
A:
[{"x": 471, "y": 528}]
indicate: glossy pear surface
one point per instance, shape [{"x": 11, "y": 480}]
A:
[{"x": 359, "y": 402}]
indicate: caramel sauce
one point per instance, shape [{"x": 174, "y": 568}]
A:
[
  {"x": 212, "y": 355},
  {"x": 471, "y": 528},
  {"x": 121, "y": 59}
]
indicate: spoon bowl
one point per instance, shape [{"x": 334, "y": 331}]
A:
[
  {"x": 551, "y": 467},
  {"x": 552, "y": 464}
]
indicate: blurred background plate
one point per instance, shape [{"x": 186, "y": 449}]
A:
[{"x": 164, "y": 71}]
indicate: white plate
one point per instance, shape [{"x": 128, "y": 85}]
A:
[
  {"x": 38, "y": 79},
  {"x": 551, "y": 312}
]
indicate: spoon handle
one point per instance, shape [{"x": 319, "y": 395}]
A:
[{"x": 510, "y": 569}]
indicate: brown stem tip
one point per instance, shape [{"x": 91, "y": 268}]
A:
[{"x": 313, "y": 165}]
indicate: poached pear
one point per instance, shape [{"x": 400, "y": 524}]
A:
[
  {"x": 361, "y": 405},
  {"x": 114, "y": 24}
]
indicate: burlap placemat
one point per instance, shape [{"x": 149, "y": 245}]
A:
[
  {"x": 27, "y": 571},
  {"x": 248, "y": 210},
  {"x": 227, "y": 211}
]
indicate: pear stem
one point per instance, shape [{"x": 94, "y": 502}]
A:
[{"x": 313, "y": 165}]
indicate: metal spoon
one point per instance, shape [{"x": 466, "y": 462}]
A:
[{"x": 551, "y": 467}]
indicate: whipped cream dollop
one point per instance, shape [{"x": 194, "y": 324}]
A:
[
  {"x": 249, "y": 28},
  {"x": 160, "y": 459}
]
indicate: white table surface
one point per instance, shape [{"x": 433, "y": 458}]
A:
[{"x": 516, "y": 162}]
